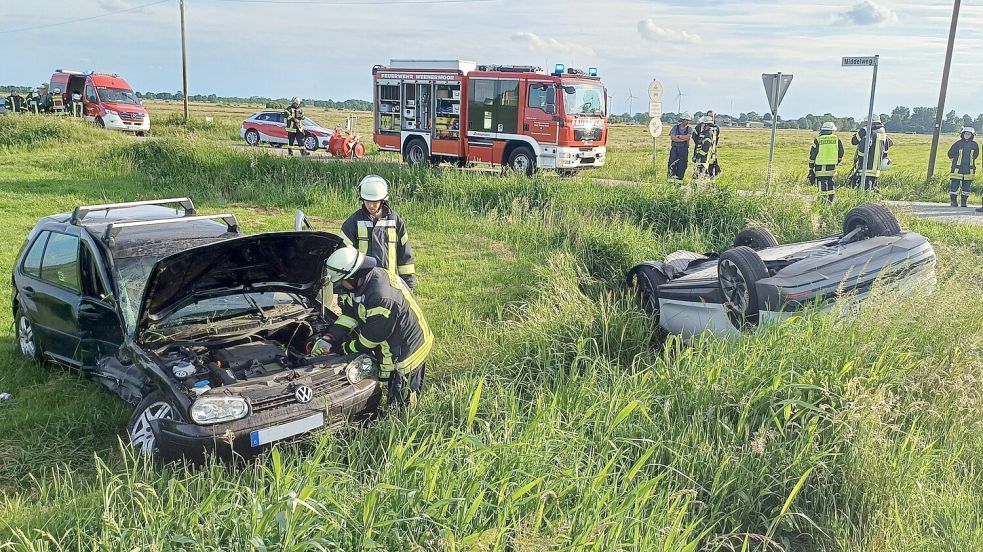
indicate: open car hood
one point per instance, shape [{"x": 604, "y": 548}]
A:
[{"x": 291, "y": 262}]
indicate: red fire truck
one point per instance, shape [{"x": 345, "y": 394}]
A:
[{"x": 517, "y": 116}]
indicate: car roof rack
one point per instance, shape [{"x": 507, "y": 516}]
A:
[
  {"x": 113, "y": 230},
  {"x": 81, "y": 211}
]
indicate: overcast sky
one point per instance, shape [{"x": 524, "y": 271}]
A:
[{"x": 714, "y": 52}]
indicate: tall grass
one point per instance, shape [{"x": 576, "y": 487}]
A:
[{"x": 556, "y": 416}]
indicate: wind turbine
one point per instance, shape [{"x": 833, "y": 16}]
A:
[
  {"x": 679, "y": 99},
  {"x": 629, "y": 101}
]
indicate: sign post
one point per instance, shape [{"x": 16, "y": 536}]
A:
[
  {"x": 868, "y": 61},
  {"x": 776, "y": 85},
  {"x": 655, "y": 112}
]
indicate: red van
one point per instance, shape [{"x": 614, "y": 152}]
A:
[{"x": 107, "y": 100}]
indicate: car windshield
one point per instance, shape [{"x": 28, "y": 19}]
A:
[
  {"x": 118, "y": 95},
  {"x": 584, "y": 99},
  {"x": 308, "y": 122}
]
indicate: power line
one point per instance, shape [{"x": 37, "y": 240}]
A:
[{"x": 81, "y": 19}]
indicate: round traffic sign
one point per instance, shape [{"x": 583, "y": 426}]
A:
[
  {"x": 655, "y": 91},
  {"x": 655, "y": 128}
]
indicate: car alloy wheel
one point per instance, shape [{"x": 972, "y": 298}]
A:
[
  {"x": 25, "y": 336},
  {"x": 142, "y": 434},
  {"x": 734, "y": 286},
  {"x": 252, "y": 137},
  {"x": 310, "y": 143}
]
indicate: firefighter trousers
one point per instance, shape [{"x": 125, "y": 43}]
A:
[
  {"x": 297, "y": 138},
  {"x": 403, "y": 388},
  {"x": 957, "y": 184},
  {"x": 678, "y": 161},
  {"x": 826, "y": 187}
]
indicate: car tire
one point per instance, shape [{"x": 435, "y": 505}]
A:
[
  {"x": 252, "y": 137},
  {"x": 310, "y": 142},
  {"x": 27, "y": 341},
  {"x": 522, "y": 160},
  {"x": 100, "y": 123},
  {"x": 738, "y": 272},
  {"x": 141, "y": 436},
  {"x": 755, "y": 238},
  {"x": 646, "y": 279},
  {"x": 873, "y": 219},
  {"x": 416, "y": 153}
]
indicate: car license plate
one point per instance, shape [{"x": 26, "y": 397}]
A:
[{"x": 275, "y": 433}]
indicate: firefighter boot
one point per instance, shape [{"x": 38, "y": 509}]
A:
[
  {"x": 964, "y": 201},
  {"x": 953, "y": 200}
]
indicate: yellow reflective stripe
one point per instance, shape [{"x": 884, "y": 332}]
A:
[
  {"x": 351, "y": 347},
  {"x": 387, "y": 355},
  {"x": 416, "y": 359},
  {"x": 406, "y": 270},
  {"x": 367, "y": 342},
  {"x": 391, "y": 241},
  {"x": 404, "y": 238},
  {"x": 363, "y": 239},
  {"x": 378, "y": 311},
  {"x": 346, "y": 321}
]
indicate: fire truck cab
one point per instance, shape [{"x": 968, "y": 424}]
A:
[{"x": 516, "y": 116}]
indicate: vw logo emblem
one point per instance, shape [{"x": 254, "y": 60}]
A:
[{"x": 303, "y": 394}]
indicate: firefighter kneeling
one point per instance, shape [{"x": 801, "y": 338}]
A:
[
  {"x": 378, "y": 316},
  {"x": 826, "y": 154}
]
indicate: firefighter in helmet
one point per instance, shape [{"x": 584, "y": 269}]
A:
[
  {"x": 874, "y": 157},
  {"x": 378, "y": 231},
  {"x": 379, "y": 316},
  {"x": 295, "y": 127},
  {"x": 825, "y": 155},
  {"x": 963, "y": 155},
  {"x": 705, "y": 151}
]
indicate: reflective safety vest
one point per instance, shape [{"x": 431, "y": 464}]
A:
[
  {"x": 964, "y": 154},
  {"x": 878, "y": 146},
  {"x": 385, "y": 239},
  {"x": 387, "y": 322},
  {"x": 827, "y": 151}
]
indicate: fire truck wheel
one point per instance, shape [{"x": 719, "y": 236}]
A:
[
  {"x": 522, "y": 160},
  {"x": 416, "y": 153}
]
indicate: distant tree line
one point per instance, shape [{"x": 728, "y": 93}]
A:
[{"x": 920, "y": 120}]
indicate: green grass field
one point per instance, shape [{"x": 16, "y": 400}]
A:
[{"x": 555, "y": 417}]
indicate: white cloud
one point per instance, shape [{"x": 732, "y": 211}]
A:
[
  {"x": 650, "y": 31},
  {"x": 538, "y": 43},
  {"x": 114, "y": 5},
  {"x": 867, "y": 12}
]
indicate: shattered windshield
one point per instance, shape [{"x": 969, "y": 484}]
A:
[{"x": 584, "y": 99}]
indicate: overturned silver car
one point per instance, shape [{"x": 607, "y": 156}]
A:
[{"x": 759, "y": 280}]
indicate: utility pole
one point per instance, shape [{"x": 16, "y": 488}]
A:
[
  {"x": 942, "y": 90},
  {"x": 184, "y": 63}
]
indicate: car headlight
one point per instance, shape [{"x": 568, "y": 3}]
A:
[
  {"x": 361, "y": 368},
  {"x": 213, "y": 410},
  {"x": 111, "y": 112}
]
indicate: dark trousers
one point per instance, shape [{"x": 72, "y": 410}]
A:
[
  {"x": 401, "y": 387},
  {"x": 295, "y": 138},
  {"x": 678, "y": 160},
  {"x": 957, "y": 185},
  {"x": 826, "y": 187}
]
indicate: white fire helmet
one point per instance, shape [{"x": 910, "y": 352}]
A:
[
  {"x": 968, "y": 129},
  {"x": 373, "y": 188},
  {"x": 686, "y": 117},
  {"x": 295, "y": 101},
  {"x": 829, "y": 125},
  {"x": 886, "y": 163},
  {"x": 706, "y": 119},
  {"x": 344, "y": 263}
]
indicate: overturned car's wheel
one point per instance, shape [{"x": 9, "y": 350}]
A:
[
  {"x": 139, "y": 429},
  {"x": 27, "y": 343},
  {"x": 755, "y": 238},
  {"x": 738, "y": 270},
  {"x": 873, "y": 220},
  {"x": 646, "y": 279}
]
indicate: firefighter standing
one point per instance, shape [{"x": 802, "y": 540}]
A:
[
  {"x": 377, "y": 231},
  {"x": 379, "y": 317},
  {"x": 77, "y": 104},
  {"x": 705, "y": 151},
  {"x": 876, "y": 152},
  {"x": 825, "y": 155},
  {"x": 295, "y": 127},
  {"x": 679, "y": 137},
  {"x": 963, "y": 155}
]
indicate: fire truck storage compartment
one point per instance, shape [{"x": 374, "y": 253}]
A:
[
  {"x": 389, "y": 108},
  {"x": 448, "y": 125}
]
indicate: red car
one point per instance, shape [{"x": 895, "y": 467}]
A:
[{"x": 270, "y": 127}]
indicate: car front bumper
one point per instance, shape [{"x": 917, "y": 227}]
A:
[
  {"x": 115, "y": 122},
  {"x": 176, "y": 440}
]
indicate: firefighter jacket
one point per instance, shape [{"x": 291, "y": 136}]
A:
[
  {"x": 381, "y": 317},
  {"x": 294, "y": 117},
  {"x": 964, "y": 154},
  {"x": 879, "y": 145},
  {"x": 826, "y": 153},
  {"x": 706, "y": 145},
  {"x": 385, "y": 239}
]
